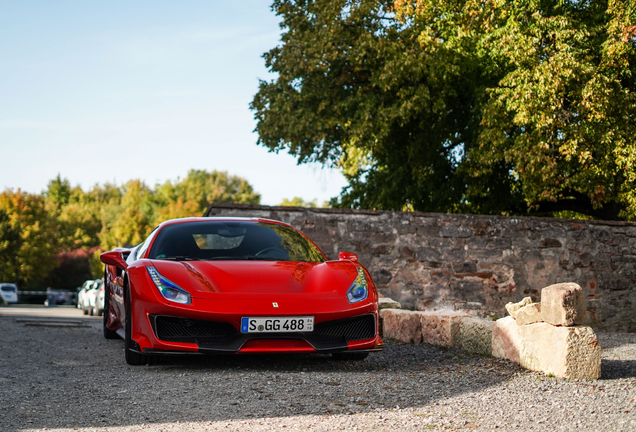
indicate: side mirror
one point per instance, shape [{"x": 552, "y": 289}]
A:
[
  {"x": 114, "y": 258},
  {"x": 348, "y": 256}
]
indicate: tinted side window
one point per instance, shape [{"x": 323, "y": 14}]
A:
[{"x": 145, "y": 244}]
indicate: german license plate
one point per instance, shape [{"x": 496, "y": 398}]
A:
[{"x": 277, "y": 324}]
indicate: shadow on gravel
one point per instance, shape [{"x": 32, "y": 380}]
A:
[
  {"x": 611, "y": 340},
  {"x": 616, "y": 369},
  {"x": 73, "y": 378}
]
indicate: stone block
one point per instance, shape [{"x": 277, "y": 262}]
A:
[
  {"x": 453, "y": 231},
  {"x": 563, "y": 304},
  {"x": 566, "y": 352},
  {"x": 474, "y": 335},
  {"x": 441, "y": 327},
  {"x": 388, "y": 303},
  {"x": 529, "y": 314},
  {"x": 513, "y": 308},
  {"x": 401, "y": 325},
  {"x": 506, "y": 341}
]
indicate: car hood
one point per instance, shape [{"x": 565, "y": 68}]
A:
[{"x": 213, "y": 278}]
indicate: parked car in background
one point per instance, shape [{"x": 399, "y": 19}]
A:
[
  {"x": 54, "y": 298},
  {"x": 86, "y": 297},
  {"x": 90, "y": 298},
  {"x": 9, "y": 292},
  {"x": 98, "y": 308}
]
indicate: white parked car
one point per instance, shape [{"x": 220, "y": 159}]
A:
[
  {"x": 98, "y": 308},
  {"x": 90, "y": 299},
  {"x": 9, "y": 292},
  {"x": 86, "y": 297}
]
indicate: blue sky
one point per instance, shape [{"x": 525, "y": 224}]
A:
[{"x": 110, "y": 91}]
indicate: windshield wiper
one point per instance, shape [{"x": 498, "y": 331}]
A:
[{"x": 179, "y": 258}]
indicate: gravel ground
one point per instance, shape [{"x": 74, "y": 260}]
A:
[{"x": 65, "y": 378}]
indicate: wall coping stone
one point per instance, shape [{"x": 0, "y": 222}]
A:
[
  {"x": 215, "y": 207},
  {"x": 446, "y": 313}
]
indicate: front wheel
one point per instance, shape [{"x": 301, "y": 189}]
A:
[
  {"x": 132, "y": 358},
  {"x": 350, "y": 355}
]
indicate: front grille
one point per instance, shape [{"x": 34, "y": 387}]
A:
[
  {"x": 172, "y": 329},
  {"x": 222, "y": 337},
  {"x": 348, "y": 330}
]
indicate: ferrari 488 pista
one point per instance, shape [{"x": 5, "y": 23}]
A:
[{"x": 237, "y": 285}]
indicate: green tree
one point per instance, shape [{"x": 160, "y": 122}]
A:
[
  {"x": 486, "y": 107},
  {"x": 299, "y": 202},
  {"x": 38, "y": 242},
  {"x": 561, "y": 113},
  {"x": 204, "y": 187},
  {"x": 192, "y": 195},
  {"x": 355, "y": 90},
  {"x": 10, "y": 243},
  {"x": 58, "y": 193},
  {"x": 129, "y": 221},
  {"x": 77, "y": 214}
]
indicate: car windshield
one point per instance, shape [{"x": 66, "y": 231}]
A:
[
  {"x": 233, "y": 240},
  {"x": 9, "y": 288}
]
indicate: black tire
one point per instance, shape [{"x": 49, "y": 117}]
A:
[
  {"x": 350, "y": 356},
  {"x": 108, "y": 333},
  {"x": 85, "y": 311},
  {"x": 132, "y": 358}
]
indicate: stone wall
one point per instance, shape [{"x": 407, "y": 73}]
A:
[{"x": 475, "y": 263}]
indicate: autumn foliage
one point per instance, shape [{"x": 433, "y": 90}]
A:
[{"x": 54, "y": 239}]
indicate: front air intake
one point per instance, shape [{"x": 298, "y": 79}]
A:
[
  {"x": 347, "y": 330},
  {"x": 173, "y": 329}
]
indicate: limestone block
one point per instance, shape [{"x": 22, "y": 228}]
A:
[
  {"x": 401, "y": 325},
  {"x": 506, "y": 341},
  {"x": 566, "y": 352},
  {"x": 387, "y": 303},
  {"x": 513, "y": 308},
  {"x": 529, "y": 314},
  {"x": 563, "y": 304},
  {"x": 441, "y": 327},
  {"x": 475, "y": 335}
]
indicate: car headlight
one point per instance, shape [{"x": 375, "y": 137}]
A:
[
  {"x": 359, "y": 288},
  {"x": 168, "y": 289}
]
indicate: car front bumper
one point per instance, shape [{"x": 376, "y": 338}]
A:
[{"x": 211, "y": 326}]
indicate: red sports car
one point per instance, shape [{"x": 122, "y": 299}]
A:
[{"x": 237, "y": 285}]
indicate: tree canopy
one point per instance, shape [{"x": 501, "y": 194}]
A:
[
  {"x": 495, "y": 107},
  {"x": 299, "y": 202}
]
